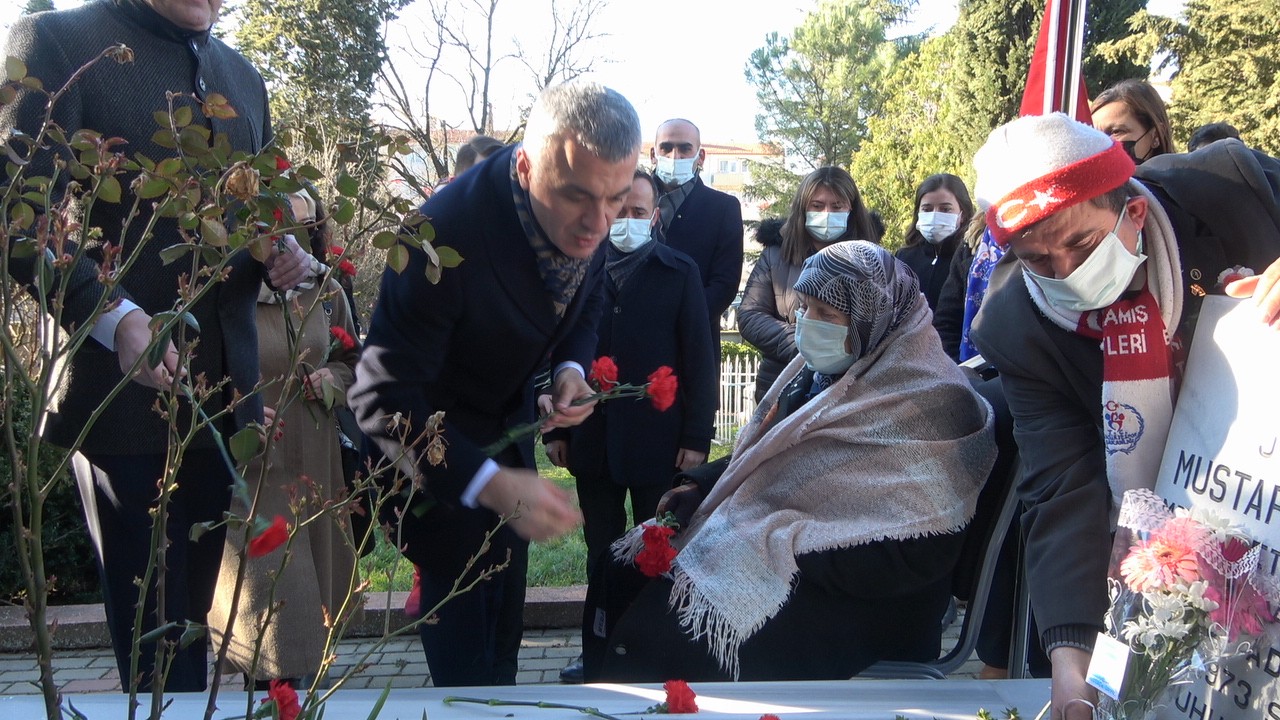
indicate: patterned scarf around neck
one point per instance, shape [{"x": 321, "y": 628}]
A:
[
  {"x": 621, "y": 266},
  {"x": 670, "y": 202},
  {"x": 1137, "y": 335},
  {"x": 850, "y": 467}
]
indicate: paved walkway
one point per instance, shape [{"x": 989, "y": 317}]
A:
[{"x": 399, "y": 661}]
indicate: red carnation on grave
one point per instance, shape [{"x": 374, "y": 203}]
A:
[
  {"x": 662, "y": 388},
  {"x": 343, "y": 338},
  {"x": 282, "y": 164},
  {"x": 680, "y": 697},
  {"x": 657, "y": 554},
  {"x": 268, "y": 540},
  {"x": 604, "y": 373},
  {"x": 286, "y": 699}
]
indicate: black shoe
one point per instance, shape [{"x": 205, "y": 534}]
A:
[{"x": 572, "y": 673}]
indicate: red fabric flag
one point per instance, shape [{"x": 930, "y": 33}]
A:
[{"x": 1057, "y": 57}]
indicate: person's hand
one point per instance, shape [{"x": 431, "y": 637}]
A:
[
  {"x": 288, "y": 268},
  {"x": 1265, "y": 291},
  {"x": 687, "y": 458},
  {"x": 313, "y": 383},
  {"x": 545, "y": 404},
  {"x": 1072, "y": 698},
  {"x": 569, "y": 386},
  {"x": 681, "y": 502},
  {"x": 536, "y": 508},
  {"x": 557, "y": 452},
  {"x": 133, "y": 335}
]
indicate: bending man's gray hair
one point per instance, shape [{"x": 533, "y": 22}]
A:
[{"x": 590, "y": 114}]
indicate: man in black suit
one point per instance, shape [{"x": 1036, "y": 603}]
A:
[
  {"x": 124, "y": 452},
  {"x": 527, "y": 223},
  {"x": 700, "y": 222}
]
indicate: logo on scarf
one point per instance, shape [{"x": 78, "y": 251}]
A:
[{"x": 1122, "y": 427}]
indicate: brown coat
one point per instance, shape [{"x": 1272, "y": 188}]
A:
[{"x": 319, "y": 574}]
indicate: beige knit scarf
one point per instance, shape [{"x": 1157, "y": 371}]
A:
[{"x": 898, "y": 448}]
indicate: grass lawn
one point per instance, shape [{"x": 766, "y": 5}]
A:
[{"x": 551, "y": 564}]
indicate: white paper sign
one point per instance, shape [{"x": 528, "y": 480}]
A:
[{"x": 1223, "y": 454}]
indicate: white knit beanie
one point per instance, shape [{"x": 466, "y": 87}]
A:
[{"x": 1038, "y": 165}]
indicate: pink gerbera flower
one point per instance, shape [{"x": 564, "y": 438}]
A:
[{"x": 1159, "y": 563}]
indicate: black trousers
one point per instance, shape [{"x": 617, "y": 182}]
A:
[
  {"x": 476, "y": 640},
  {"x": 604, "y": 511},
  {"x": 119, "y": 492}
]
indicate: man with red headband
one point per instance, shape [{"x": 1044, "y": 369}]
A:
[{"x": 1085, "y": 320}]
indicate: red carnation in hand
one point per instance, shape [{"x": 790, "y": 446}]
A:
[
  {"x": 346, "y": 267},
  {"x": 343, "y": 338},
  {"x": 770, "y": 717},
  {"x": 273, "y": 537},
  {"x": 282, "y": 164},
  {"x": 278, "y": 214},
  {"x": 657, "y": 554},
  {"x": 680, "y": 697},
  {"x": 604, "y": 373},
  {"x": 285, "y": 698},
  {"x": 662, "y": 388}
]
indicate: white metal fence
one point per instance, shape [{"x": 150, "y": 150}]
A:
[{"x": 737, "y": 394}]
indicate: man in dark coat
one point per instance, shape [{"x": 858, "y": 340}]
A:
[
  {"x": 123, "y": 453},
  {"x": 700, "y": 222},
  {"x": 1097, "y": 255},
  {"x": 653, "y": 315},
  {"x": 527, "y": 223}
]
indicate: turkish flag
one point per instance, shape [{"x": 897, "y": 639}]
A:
[{"x": 1056, "y": 61}]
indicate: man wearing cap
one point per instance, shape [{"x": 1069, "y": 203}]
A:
[{"x": 1089, "y": 313}]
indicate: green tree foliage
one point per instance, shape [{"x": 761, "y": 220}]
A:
[
  {"x": 319, "y": 57},
  {"x": 1225, "y": 60},
  {"x": 35, "y": 6},
  {"x": 819, "y": 87}
]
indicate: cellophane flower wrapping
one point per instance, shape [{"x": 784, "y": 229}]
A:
[{"x": 1185, "y": 593}]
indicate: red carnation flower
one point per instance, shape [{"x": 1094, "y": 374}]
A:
[
  {"x": 336, "y": 250},
  {"x": 278, "y": 214},
  {"x": 657, "y": 554},
  {"x": 286, "y": 699},
  {"x": 680, "y": 697},
  {"x": 268, "y": 540},
  {"x": 604, "y": 373},
  {"x": 662, "y": 388},
  {"x": 282, "y": 164},
  {"x": 770, "y": 717},
  {"x": 343, "y": 338},
  {"x": 346, "y": 267}
]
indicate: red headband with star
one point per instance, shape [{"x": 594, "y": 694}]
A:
[{"x": 1058, "y": 190}]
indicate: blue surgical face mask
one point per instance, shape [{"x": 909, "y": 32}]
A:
[
  {"x": 676, "y": 170},
  {"x": 628, "y": 234},
  {"x": 1100, "y": 279},
  {"x": 826, "y": 226},
  {"x": 822, "y": 344}
]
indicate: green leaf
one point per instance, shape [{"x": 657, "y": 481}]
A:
[
  {"x": 347, "y": 185},
  {"x": 161, "y": 118},
  {"x": 190, "y": 321},
  {"x": 309, "y": 172},
  {"x": 449, "y": 257},
  {"x": 344, "y": 212},
  {"x": 182, "y": 116},
  {"x": 109, "y": 189},
  {"x": 175, "y": 252},
  {"x": 193, "y": 633},
  {"x": 213, "y": 232},
  {"x": 22, "y": 215},
  {"x": 157, "y": 633},
  {"x": 245, "y": 444},
  {"x": 153, "y": 188},
  {"x": 398, "y": 258},
  {"x": 384, "y": 240},
  {"x": 14, "y": 69},
  {"x": 382, "y": 699},
  {"x": 32, "y": 82},
  {"x": 156, "y": 351},
  {"x": 425, "y": 233},
  {"x": 164, "y": 139},
  {"x": 169, "y": 167},
  {"x": 23, "y": 248}
]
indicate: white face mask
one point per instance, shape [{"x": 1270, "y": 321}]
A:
[
  {"x": 676, "y": 170},
  {"x": 822, "y": 344},
  {"x": 826, "y": 226},
  {"x": 937, "y": 226},
  {"x": 1100, "y": 279},
  {"x": 627, "y": 234}
]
